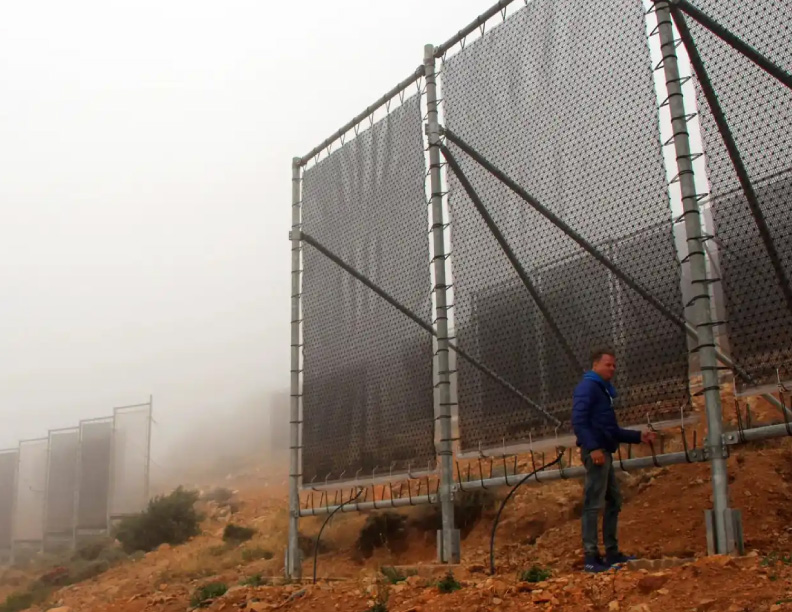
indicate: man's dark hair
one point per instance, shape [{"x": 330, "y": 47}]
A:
[{"x": 597, "y": 353}]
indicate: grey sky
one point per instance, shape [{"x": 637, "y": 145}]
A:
[{"x": 144, "y": 191}]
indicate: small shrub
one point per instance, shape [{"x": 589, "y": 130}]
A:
[
  {"x": 448, "y": 584},
  {"x": 208, "y": 592},
  {"x": 307, "y": 544},
  {"x": 388, "y": 530},
  {"x": 219, "y": 550},
  {"x": 469, "y": 508},
  {"x": 774, "y": 558},
  {"x": 254, "y": 554},
  {"x": 16, "y": 602},
  {"x": 169, "y": 519},
  {"x": 392, "y": 575},
  {"x": 381, "y": 595},
  {"x": 237, "y": 533},
  {"x": 535, "y": 574},
  {"x": 220, "y": 495},
  {"x": 256, "y": 580}
]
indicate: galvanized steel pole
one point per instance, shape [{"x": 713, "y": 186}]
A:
[
  {"x": 293, "y": 561},
  {"x": 702, "y": 314},
  {"x": 449, "y": 540}
]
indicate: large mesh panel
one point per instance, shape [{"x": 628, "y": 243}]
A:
[
  {"x": 759, "y": 111},
  {"x": 94, "y": 474},
  {"x": 31, "y": 486},
  {"x": 62, "y": 482},
  {"x": 8, "y": 468},
  {"x": 368, "y": 395},
  {"x": 130, "y": 461},
  {"x": 561, "y": 97}
]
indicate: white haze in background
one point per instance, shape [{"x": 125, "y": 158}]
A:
[{"x": 145, "y": 153}]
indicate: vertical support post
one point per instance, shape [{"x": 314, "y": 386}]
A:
[
  {"x": 111, "y": 483},
  {"x": 448, "y": 540},
  {"x": 293, "y": 560},
  {"x": 45, "y": 512},
  {"x": 702, "y": 313},
  {"x": 147, "y": 482}
]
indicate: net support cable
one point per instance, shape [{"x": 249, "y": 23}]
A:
[
  {"x": 512, "y": 257},
  {"x": 732, "y": 40},
  {"x": 307, "y": 238},
  {"x": 733, "y": 151},
  {"x": 604, "y": 260}
]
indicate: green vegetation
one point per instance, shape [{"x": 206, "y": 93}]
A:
[
  {"x": 237, "y": 534},
  {"x": 169, "y": 519},
  {"x": 254, "y": 554},
  {"x": 208, "y": 593},
  {"x": 535, "y": 574},
  {"x": 448, "y": 584}
]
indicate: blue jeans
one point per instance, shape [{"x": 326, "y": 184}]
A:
[{"x": 600, "y": 492}]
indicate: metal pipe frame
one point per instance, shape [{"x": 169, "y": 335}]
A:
[
  {"x": 147, "y": 482},
  {"x": 734, "y": 152},
  {"x": 357, "y": 119},
  {"x": 700, "y": 303},
  {"x": 732, "y": 438},
  {"x": 757, "y": 434},
  {"x": 735, "y": 42},
  {"x": 293, "y": 561},
  {"x": 474, "y": 25},
  {"x": 628, "y": 465},
  {"x": 448, "y": 552}
]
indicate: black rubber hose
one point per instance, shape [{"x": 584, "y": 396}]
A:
[
  {"x": 327, "y": 520},
  {"x": 506, "y": 499}
]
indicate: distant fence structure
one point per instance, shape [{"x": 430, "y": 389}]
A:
[
  {"x": 570, "y": 177},
  {"x": 73, "y": 484}
]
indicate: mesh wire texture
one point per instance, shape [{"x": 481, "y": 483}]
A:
[
  {"x": 62, "y": 482},
  {"x": 561, "y": 97},
  {"x": 31, "y": 485},
  {"x": 130, "y": 461},
  {"x": 8, "y": 468},
  {"x": 94, "y": 474},
  {"x": 368, "y": 394},
  {"x": 758, "y": 110}
]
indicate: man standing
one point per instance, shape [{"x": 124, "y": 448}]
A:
[{"x": 598, "y": 436}]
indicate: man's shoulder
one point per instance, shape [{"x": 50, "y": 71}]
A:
[{"x": 585, "y": 387}]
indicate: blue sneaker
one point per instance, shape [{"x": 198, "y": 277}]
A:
[
  {"x": 618, "y": 559},
  {"x": 594, "y": 565}
]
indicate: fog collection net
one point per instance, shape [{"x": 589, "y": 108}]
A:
[
  {"x": 94, "y": 474},
  {"x": 62, "y": 482},
  {"x": 8, "y": 467},
  {"x": 130, "y": 461},
  {"x": 561, "y": 97},
  {"x": 31, "y": 486},
  {"x": 758, "y": 110},
  {"x": 368, "y": 394}
]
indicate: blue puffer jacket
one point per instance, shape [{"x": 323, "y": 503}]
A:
[{"x": 594, "y": 419}]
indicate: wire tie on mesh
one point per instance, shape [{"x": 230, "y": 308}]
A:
[{"x": 696, "y": 298}]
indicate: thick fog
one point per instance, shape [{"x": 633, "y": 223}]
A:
[{"x": 145, "y": 153}]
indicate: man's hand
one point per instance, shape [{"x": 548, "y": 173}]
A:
[
  {"x": 598, "y": 457},
  {"x": 648, "y": 437}
]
